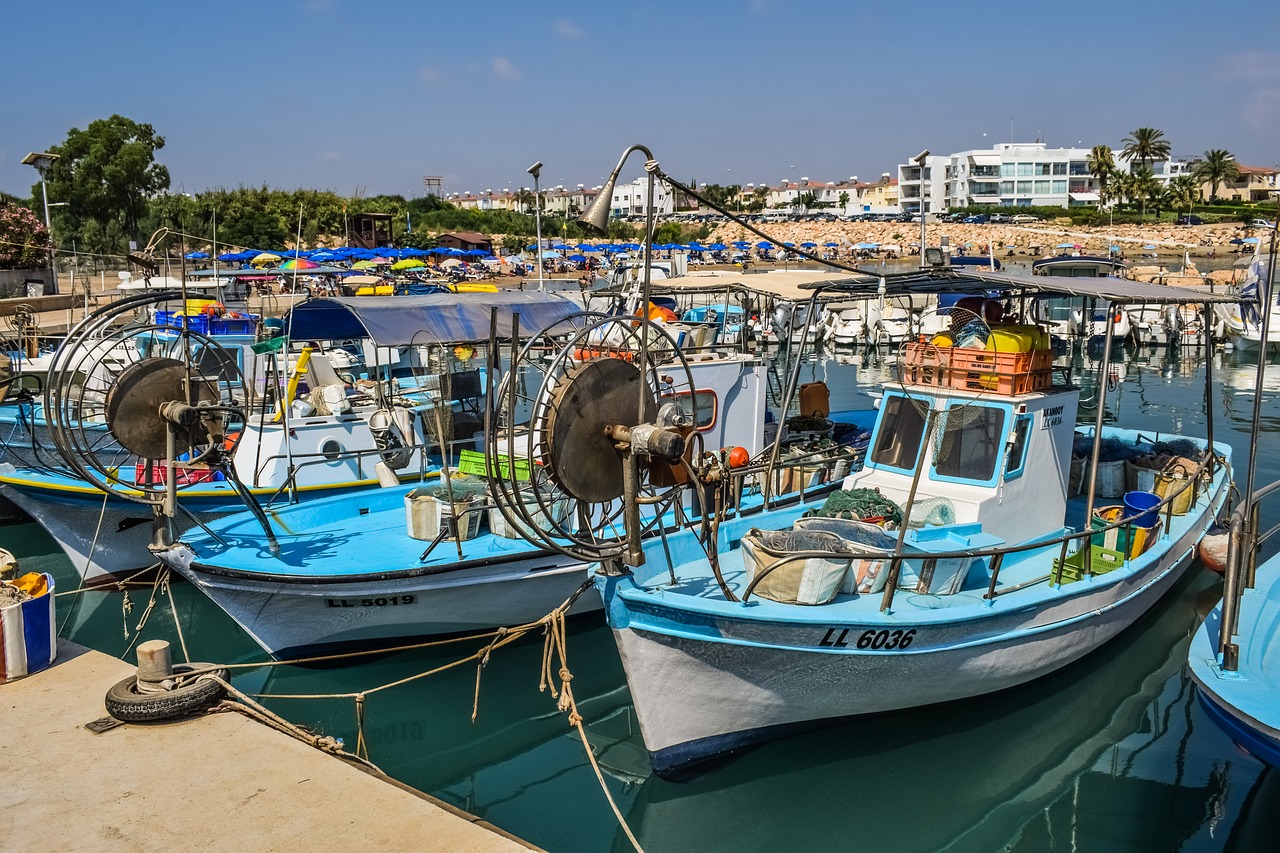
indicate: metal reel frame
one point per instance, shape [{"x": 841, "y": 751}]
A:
[
  {"x": 576, "y": 340},
  {"x": 69, "y": 406}
]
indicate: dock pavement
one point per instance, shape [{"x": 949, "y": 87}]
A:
[{"x": 217, "y": 782}]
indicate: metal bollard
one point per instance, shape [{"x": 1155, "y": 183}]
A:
[{"x": 155, "y": 663}]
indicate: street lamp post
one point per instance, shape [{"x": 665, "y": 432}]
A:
[
  {"x": 536, "y": 171},
  {"x": 924, "y": 216},
  {"x": 42, "y": 162}
]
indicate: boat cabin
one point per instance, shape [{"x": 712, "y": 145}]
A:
[{"x": 1001, "y": 456}]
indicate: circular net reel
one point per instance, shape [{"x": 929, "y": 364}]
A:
[
  {"x": 109, "y": 386},
  {"x": 579, "y": 404}
]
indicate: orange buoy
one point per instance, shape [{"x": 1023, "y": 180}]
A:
[
  {"x": 214, "y": 309},
  {"x": 739, "y": 457},
  {"x": 1213, "y": 548}
]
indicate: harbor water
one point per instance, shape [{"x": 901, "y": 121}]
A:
[{"x": 1113, "y": 753}]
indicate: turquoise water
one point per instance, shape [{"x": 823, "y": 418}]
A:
[{"x": 1111, "y": 754}]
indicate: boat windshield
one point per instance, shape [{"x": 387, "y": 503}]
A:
[
  {"x": 970, "y": 444},
  {"x": 901, "y": 427}
]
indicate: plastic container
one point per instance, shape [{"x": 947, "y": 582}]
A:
[
  {"x": 499, "y": 526},
  {"x": 1132, "y": 539},
  {"x": 1011, "y": 339},
  {"x": 1142, "y": 507},
  {"x": 1110, "y": 482},
  {"x": 424, "y": 516},
  {"x": 1102, "y": 561}
]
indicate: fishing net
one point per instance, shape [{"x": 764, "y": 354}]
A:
[{"x": 859, "y": 505}]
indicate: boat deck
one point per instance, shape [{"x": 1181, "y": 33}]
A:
[{"x": 1028, "y": 572}]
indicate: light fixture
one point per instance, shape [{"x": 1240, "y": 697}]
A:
[{"x": 536, "y": 171}]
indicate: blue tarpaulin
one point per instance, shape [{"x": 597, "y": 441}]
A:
[{"x": 434, "y": 319}]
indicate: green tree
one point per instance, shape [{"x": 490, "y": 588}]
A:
[
  {"x": 106, "y": 173},
  {"x": 525, "y": 200},
  {"x": 844, "y": 200},
  {"x": 1102, "y": 165},
  {"x": 1146, "y": 189},
  {"x": 1183, "y": 192},
  {"x": 1217, "y": 167},
  {"x": 1145, "y": 145},
  {"x": 807, "y": 200},
  {"x": 1122, "y": 187}
]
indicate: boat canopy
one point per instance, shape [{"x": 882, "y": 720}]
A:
[
  {"x": 979, "y": 282},
  {"x": 439, "y": 318},
  {"x": 789, "y": 285}
]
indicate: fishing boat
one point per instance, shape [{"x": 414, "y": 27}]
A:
[
  {"x": 1231, "y": 656},
  {"x": 351, "y": 571},
  {"x": 992, "y": 578},
  {"x": 373, "y": 428},
  {"x": 1248, "y": 323}
]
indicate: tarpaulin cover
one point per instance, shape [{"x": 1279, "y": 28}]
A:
[{"x": 439, "y": 318}]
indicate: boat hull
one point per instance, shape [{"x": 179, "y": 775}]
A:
[
  {"x": 290, "y": 618},
  {"x": 743, "y": 681}
]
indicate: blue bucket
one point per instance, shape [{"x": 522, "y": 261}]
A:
[{"x": 1141, "y": 507}]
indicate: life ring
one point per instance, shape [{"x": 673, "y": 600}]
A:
[{"x": 214, "y": 309}]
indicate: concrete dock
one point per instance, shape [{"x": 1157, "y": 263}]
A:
[{"x": 219, "y": 782}]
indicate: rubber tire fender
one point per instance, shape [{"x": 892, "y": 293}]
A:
[{"x": 125, "y": 703}]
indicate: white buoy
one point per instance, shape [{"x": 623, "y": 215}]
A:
[{"x": 155, "y": 663}]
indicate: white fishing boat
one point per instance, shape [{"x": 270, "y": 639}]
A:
[
  {"x": 999, "y": 577},
  {"x": 1243, "y": 320}
]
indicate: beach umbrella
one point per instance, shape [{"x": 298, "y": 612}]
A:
[
  {"x": 1250, "y": 240},
  {"x": 717, "y": 247},
  {"x": 299, "y": 264},
  {"x": 578, "y": 258},
  {"x": 741, "y": 244},
  {"x": 1236, "y": 241},
  {"x": 363, "y": 265},
  {"x": 475, "y": 253},
  {"x": 451, "y": 262},
  {"x": 866, "y": 247},
  {"x": 1067, "y": 246},
  {"x": 408, "y": 264},
  {"x": 551, "y": 255},
  {"x": 764, "y": 244},
  {"x": 560, "y": 246},
  {"x": 789, "y": 245},
  {"x": 263, "y": 258},
  {"x": 808, "y": 245},
  {"x": 1149, "y": 246},
  {"x": 230, "y": 256},
  {"x": 832, "y": 245},
  {"x": 412, "y": 253},
  {"x": 1113, "y": 248},
  {"x": 380, "y": 260},
  {"x": 891, "y": 247},
  {"x": 323, "y": 256},
  {"x": 586, "y": 247},
  {"x": 196, "y": 256}
]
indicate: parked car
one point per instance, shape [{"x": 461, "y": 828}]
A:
[
  {"x": 1262, "y": 223},
  {"x": 1023, "y": 218},
  {"x": 1190, "y": 219},
  {"x": 977, "y": 219}
]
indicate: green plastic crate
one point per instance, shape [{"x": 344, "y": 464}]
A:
[
  {"x": 1103, "y": 561},
  {"x": 472, "y": 462}
]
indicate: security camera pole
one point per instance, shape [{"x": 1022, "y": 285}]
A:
[{"x": 919, "y": 160}]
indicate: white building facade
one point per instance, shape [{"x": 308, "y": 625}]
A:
[
  {"x": 1009, "y": 175},
  {"x": 630, "y": 199}
]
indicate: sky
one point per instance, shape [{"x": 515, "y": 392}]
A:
[{"x": 366, "y": 98}]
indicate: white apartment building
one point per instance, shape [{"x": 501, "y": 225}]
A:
[
  {"x": 1007, "y": 175},
  {"x": 629, "y": 199}
]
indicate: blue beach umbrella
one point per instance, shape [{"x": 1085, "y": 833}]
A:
[
  {"x": 764, "y": 244},
  {"x": 578, "y": 258},
  {"x": 196, "y": 256},
  {"x": 717, "y": 247},
  {"x": 808, "y": 245},
  {"x": 789, "y": 245},
  {"x": 866, "y": 246},
  {"x": 1251, "y": 240},
  {"x": 832, "y": 245}
]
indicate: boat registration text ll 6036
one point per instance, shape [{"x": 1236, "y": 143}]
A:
[{"x": 882, "y": 640}]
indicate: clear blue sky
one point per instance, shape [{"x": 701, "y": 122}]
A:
[{"x": 347, "y": 95}]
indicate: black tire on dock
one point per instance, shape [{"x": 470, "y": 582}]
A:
[{"x": 124, "y": 702}]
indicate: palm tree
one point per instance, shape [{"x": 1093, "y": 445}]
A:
[
  {"x": 1182, "y": 192},
  {"x": 1101, "y": 163},
  {"x": 1217, "y": 167},
  {"x": 1145, "y": 145},
  {"x": 525, "y": 199},
  {"x": 1145, "y": 187},
  {"x": 1121, "y": 186}
]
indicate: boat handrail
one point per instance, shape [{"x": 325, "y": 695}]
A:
[
  {"x": 1240, "y": 574},
  {"x": 998, "y": 553}
]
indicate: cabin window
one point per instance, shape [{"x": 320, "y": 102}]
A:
[
  {"x": 970, "y": 442},
  {"x": 901, "y": 428},
  {"x": 706, "y": 402},
  {"x": 331, "y": 450},
  {"x": 1018, "y": 449}
]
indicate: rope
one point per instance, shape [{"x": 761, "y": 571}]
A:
[
  {"x": 177, "y": 623},
  {"x": 250, "y": 708},
  {"x": 555, "y": 647},
  {"x": 88, "y": 563}
]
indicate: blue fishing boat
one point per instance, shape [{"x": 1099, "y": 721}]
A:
[
  {"x": 987, "y": 576},
  {"x": 377, "y": 422},
  {"x": 1232, "y": 656}
]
